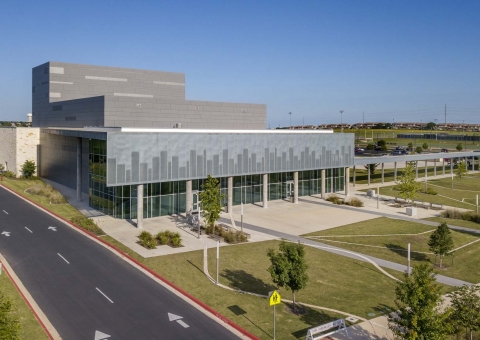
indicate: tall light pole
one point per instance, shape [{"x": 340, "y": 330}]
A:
[
  {"x": 290, "y": 119},
  {"x": 341, "y": 119}
]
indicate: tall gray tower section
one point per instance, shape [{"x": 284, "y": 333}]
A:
[{"x": 77, "y": 96}]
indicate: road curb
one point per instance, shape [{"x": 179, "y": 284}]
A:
[
  {"x": 199, "y": 303},
  {"x": 37, "y": 312}
]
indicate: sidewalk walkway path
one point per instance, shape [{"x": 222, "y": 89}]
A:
[{"x": 383, "y": 263}]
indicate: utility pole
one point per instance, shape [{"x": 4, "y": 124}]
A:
[{"x": 445, "y": 116}]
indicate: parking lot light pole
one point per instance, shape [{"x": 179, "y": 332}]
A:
[{"x": 341, "y": 119}]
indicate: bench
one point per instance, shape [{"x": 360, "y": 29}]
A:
[{"x": 215, "y": 237}]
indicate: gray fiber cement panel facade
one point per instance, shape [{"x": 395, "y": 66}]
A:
[
  {"x": 145, "y": 157},
  {"x": 76, "y": 96}
]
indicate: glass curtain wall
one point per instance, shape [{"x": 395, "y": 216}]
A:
[
  {"x": 159, "y": 199},
  {"x": 169, "y": 198}
]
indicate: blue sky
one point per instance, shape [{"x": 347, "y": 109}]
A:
[{"x": 393, "y": 60}]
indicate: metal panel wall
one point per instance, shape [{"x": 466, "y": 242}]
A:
[{"x": 135, "y": 158}]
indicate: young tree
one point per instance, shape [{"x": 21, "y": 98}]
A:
[
  {"x": 425, "y": 146},
  {"x": 211, "y": 201},
  {"x": 9, "y": 323},
  {"x": 2, "y": 167},
  {"x": 372, "y": 167},
  {"x": 28, "y": 168},
  {"x": 430, "y": 126},
  {"x": 461, "y": 170},
  {"x": 465, "y": 304},
  {"x": 370, "y": 147},
  {"x": 418, "y": 298},
  {"x": 382, "y": 142},
  {"x": 288, "y": 267},
  {"x": 418, "y": 149},
  {"x": 459, "y": 147},
  {"x": 407, "y": 183},
  {"x": 441, "y": 242},
  {"x": 410, "y": 145}
]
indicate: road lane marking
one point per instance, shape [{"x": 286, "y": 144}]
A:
[
  {"x": 177, "y": 318},
  {"x": 5, "y": 212},
  {"x": 64, "y": 259},
  {"x": 52, "y": 228},
  {"x": 104, "y": 295},
  {"x": 182, "y": 323},
  {"x": 6, "y": 233},
  {"x": 29, "y": 230},
  {"x": 101, "y": 336}
]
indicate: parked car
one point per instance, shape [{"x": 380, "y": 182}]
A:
[
  {"x": 444, "y": 150},
  {"x": 378, "y": 148},
  {"x": 398, "y": 152},
  {"x": 399, "y": 148},
  {"x": 357, "y": 149}
]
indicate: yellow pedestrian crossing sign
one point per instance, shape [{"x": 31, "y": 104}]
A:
[{"x": 274, "y": 298}]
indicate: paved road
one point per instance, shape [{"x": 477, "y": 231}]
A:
[{"x": 83, "y": 287}]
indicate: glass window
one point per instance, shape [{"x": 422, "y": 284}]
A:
[
  {"x": 167, "y": 188},
  {"x": 237, "y": 196},
  {"x": 237, "y": 181},
  {"x": 182, "y": 205},
  {"x": 167, "y": 204},
  {"x": 273, "y": 178},
  {"x": 182, "y": 186}
]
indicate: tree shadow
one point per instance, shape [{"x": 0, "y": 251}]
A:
[
  {"x": 404, "y": 252},
  {"x": 383, "y": 309},
  {"x": 313, "y": 318},
  {"x": 242, "y": 280},
  {"x": 238, "y": 311}
]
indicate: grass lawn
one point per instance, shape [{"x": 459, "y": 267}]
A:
[
  {"x": 459, "y": 223},
  {"x": 465, "y": 189},
  {"x": 20, "y": 185},
  {"x": 30, "y": 328},
  {"x": 393, "y": 248},
  {"x": 335, "y": 281},
  {"x": 245, "y": 267}
]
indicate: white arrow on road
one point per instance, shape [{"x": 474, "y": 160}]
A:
[
  {"x": 53, "y": 228},
  {"x": 101, "y": 336},
  {"x": 173, "y": 317},
  {"x": 6, "y": 233}
]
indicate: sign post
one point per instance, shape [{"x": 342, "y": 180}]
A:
[
  {"x": 378, "y": 197},
  {"x": 477, "y": 203},
  {"x": 408, "y": 268},
  {"x": 274, "y": 299},
  {"x": 218, "y": 256},
  {"x": 241, "y": 221}
]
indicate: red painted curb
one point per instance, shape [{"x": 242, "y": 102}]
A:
[
  {"x": 180, "y": 290},
  {"x": 28, "y": 304}
]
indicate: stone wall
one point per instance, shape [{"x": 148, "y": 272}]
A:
[
  {"x": 8, "y": 146},
  {"x": 27, "y": 147}
]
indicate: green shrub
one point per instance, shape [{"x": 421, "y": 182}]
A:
[
  {"x": 9, "y": 174},
  {"x": 334, "y": 199},
  {"x": 147, "y": 240},
  {"x": 162, "y": 239},
  {"x": 87, "y": 224},
  {"x": 460, "y": 215},
  {"x": 355, "y": 202},
  {"x": 430, "y": 191},
  {"x": 170, "y": 238},
  {"x": 176, "y": 240},
  {"x": 53, "y": 195}
]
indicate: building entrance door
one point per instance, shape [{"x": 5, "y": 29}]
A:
[
  {"x": 195, "y": 202},
  {"x": 289, "y": 190}
]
